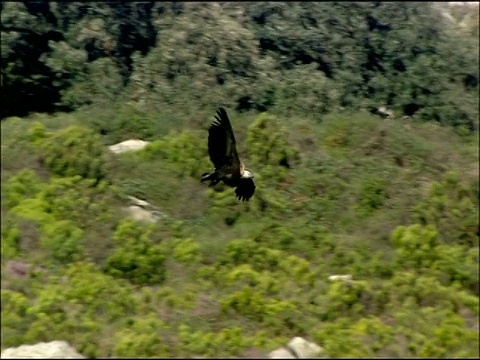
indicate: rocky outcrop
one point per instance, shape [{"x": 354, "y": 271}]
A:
[
  {"x": 128, "y": 145},
  {"x": 17, "y": 269},
  {"x": 298, "y": 348},
  {"x": 346, "y": 277},
  {"x": 142, "y": 210},
  {"x": 51, "y": 350},
  {"x": 281, "y": 353}
]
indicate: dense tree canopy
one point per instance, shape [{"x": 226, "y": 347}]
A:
[{"x": 403, "y": 55}]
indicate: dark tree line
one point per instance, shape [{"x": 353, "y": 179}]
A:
[{"x": 61, "y": 55}]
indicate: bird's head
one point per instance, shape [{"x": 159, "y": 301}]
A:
[{"x": 247, "y": 174}]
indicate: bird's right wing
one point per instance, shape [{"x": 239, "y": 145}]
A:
[
  {"x": 245, "y": 189},
  {"x": 221, "y": 142}
]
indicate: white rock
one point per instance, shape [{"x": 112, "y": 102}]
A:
[
  {"x": 140, "y": 214},
  {"x": 138, "y": 202},
  {"x": 382, "y": 110},
  {"x": 304, "y": 349},
  {"x": 128, "y": 145},
  {"x": 281, "y": 353},
  {"x": 346, "y": 277},
  {"x": 52, "y": 350}
]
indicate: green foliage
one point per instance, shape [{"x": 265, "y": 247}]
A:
[
  {"x": 187, "y": 251},
  {"x": 227, "y": 342},
  {"x": 452, "y": 207},
  {"x": 181, "y": 151},
  {"x": 268, "y": 147},
  {"x": 24, "y": 185},
  {"x": 136, "y": 257},
  {"x": 416, "y": 246},
  {"x": 458, "y": 264},
  {"x": 372, "y": 196},
  {"x": 99, "y": 82},
  {"x": 126, "y": 121},
  {"x": 74, "y": 151},
  {"x": 77, "y": 303},
  {"x": 141, "y": 339},
  {"x": 78, "y": 199},
  {"x": 10, "y": 240},
  {"x": 15, "y": 321},
  {"x": 348, "y": 298},
  {"x": 63, "y": 240},
  {"x": 37, "y": 133}
]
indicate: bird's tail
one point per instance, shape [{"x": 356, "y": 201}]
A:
[
  {"x": 206, "y": 176},
  {"x": 213, "y": 177}
]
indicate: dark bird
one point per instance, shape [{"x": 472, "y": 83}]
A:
[{"x": 223, "y": 154}]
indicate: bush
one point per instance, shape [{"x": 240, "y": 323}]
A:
[
  {"x": 136, "y": 257},
  {"x": 372, "y": 197},
  {"x": 187, "y": 251},
  {"x": 10, "y": 240},
  {"x": 63, "y": 240},
  {"x": 452, "y": 207},
  {"x": 75, "y": 151},
  {"x": 268, "y": 147},
  {"x": 23, "y": 185},
  {"x": 76, "y": 305},
  {"x": 82, "y": 201},
  {"x": 226, "y": 342},
  {"x": 141, "y": 339},
  {"x": 183, "y": 152},
  {"x": 416, "y": 246},
  {"x": 15, "y": 321}
]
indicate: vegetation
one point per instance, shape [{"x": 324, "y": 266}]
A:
[{"x": 393, "y": 202}]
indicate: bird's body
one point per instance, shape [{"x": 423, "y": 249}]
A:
[{"x": 223, "y": 154}]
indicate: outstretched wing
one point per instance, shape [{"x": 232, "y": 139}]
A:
[
  {"x": 245, "y": 189},
  {"x": 221, "y": 143}
]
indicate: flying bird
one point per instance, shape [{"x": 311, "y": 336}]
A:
[{"x": 223, "y": 154}]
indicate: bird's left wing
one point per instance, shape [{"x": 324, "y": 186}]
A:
[{"x": 221, "y": 142}]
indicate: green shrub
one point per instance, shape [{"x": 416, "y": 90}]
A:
[
  {"x": 352, "y": 298},
  {"x": 182, "y": 151},
  {"x": 416, "y": 246},
  {"x": 187, "y": 251},
  {"x": 268, "y": 147},
  {"x": 10, "y": 240},
  {"x": 141, "y": 339},
  {"x": 372, "y": 197},
  {"x": 15, "y": 320},
  {"x": 457, "y": 264},
  {"x": 38, "y": 133},
  {"x": 136, "y": 257},
  {"x": 78, "y": 306},
  {"x": 63, "y": 240},
  {"x": 23, "y": 185},
  {"x": 75, "y": 150},
  {"x": 82, "y": 201},
  {"x": 452, "y": 207},
  {"x": 226, "y": 342}
]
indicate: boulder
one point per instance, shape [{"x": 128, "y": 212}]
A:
[
  {"x": 128, "y": 145},
  {"x": 346, "y": 277},
  {"x": 383, "y": 111},
  {"x": 142, "y": 210},
  {"x": 304, "y": 349},
  {"x": 52, "y": 350},
  {"x": 140, "y": 214},
  {"x": 17, "y": 269},
  {"x": 281, "y": 353}
]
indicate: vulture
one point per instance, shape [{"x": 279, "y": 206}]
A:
[{"x": 223, "y": 154}]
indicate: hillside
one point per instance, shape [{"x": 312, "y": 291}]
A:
[{"x": 390, "y": 201}]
